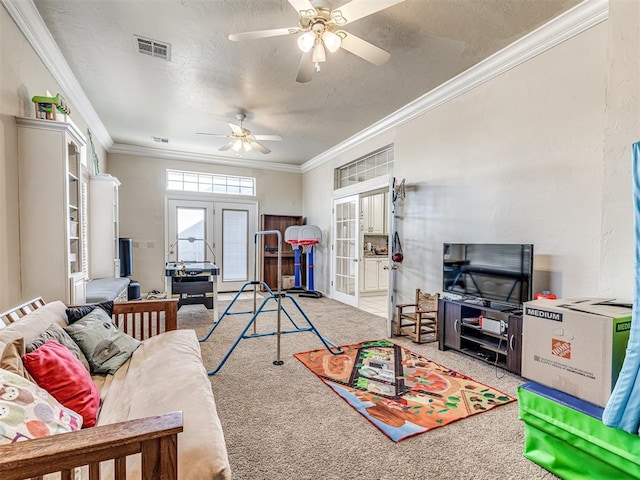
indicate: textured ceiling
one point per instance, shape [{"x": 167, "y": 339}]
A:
[{"x": 209, "y": 78}]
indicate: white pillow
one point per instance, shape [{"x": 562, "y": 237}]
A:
[{"x": 28, "y": 411}]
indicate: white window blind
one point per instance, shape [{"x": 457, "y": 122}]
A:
[{"x": 235, "y": 225}]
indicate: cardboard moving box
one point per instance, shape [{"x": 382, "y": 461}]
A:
[{"x": 576, "y": 346}]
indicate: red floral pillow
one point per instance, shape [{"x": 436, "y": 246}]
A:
[{"x": 60, "y": 373}]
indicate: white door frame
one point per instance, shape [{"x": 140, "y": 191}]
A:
[
  {"x": 353, "y": 257},
  {"x": 215, "y": 204},
  {"x": 360, "y": 189}
]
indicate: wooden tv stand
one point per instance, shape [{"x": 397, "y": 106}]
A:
[{"x": 459, "y": 329}]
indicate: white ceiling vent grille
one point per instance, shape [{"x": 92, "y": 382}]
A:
[{"x": 153, "y": 48}]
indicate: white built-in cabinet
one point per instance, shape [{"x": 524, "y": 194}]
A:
[
  {"x": 52, "y": 234},
  {"x": 376, "y": 277},
  {"x": 374, "y": 215},
  {"x": 104, "y": 260}
]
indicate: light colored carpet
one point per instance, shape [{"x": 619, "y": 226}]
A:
[{"x": 282, "y": 422}]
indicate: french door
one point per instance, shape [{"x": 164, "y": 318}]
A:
[
  {"x": 236, "y": 225},
  {"x": 214, "y": 231},
  {"x": 346, "y": 242}
]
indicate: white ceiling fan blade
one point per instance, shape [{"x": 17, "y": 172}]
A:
[
  {"x": 227, "y": 146},
  {"x": 236, "y": 128},
  {"x": 356, "y": 9},
  {"x": 268, "y": 138},
  {"x": 364, "y": 49},
  {"x": 260, "y": 148},
  {"x": 304, "y": 8},
  {"x": 213, "y": 134},
  {"x": 305, "y": 69},
  {"x": 276, "y": 32}
]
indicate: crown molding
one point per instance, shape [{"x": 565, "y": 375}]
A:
[
  {"x": 30, "y": 23},
  {"x": 571, "y": 23},
  {"x": 163, "y": 154}
]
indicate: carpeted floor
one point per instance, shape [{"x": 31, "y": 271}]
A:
[{"x": 281, "y": 422}]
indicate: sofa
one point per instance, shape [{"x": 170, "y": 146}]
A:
[{"x": 157, "y": 409}]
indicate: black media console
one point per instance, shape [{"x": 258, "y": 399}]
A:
[{"x": 490, "y": 333}]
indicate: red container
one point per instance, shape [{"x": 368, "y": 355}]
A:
[{"x": 545, "y": 294}]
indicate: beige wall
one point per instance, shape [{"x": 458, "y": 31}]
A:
[
  {"x": 537, "y": 155},
  {"x": 622, "y": 129},
  {"x": 22, "y": 75},
  {"x": 142, "y": 204}
]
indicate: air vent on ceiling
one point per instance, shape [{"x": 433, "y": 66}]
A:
[
  {"x": 160, "y": 140},
  {"x": 153, "y": 48}
]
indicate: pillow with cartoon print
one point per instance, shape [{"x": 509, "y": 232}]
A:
[{"x": 28, "y": 411}]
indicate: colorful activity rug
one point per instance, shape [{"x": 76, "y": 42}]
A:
[{"x": 400, "y": 392}]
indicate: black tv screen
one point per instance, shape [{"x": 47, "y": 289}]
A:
[{"x": 499, "y": 274}]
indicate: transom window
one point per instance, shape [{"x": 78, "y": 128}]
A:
[
  {"x": 374, "y": 165},
  {"x": 210, "y": 183}
]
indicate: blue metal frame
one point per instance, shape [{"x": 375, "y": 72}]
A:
[{"x": 330, "y": 346}]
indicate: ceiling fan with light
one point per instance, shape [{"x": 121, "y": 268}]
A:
[
  {"x": 243, "y": 139},
  {"x": 321, "y": 30}
]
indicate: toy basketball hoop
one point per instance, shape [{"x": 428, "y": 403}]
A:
[
  {"x": 291, "y": 237},
  {"x": 308, "y": 236}
]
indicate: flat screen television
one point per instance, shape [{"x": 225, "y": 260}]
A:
[{"x": 499, "y": 275}]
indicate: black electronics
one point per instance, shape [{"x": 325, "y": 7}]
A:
[
  {"x": 494, "y": 275},
  {"x": 125, "y": 249}
]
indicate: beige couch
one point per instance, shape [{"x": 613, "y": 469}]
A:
[{"x": 164, "y": 374}]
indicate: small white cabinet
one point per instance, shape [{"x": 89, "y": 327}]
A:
[
  {"x": 374, "y": 214},
  {"x": 376, "y": 276},
  {"x": 104, "y": 259},
  {"x": 52, "y": 233}
]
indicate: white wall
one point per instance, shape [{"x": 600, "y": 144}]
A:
[
  {"x": 22, "y": 75},
  {"x": 622, "y": 129},
  {"x": 142, "y": 204},
  {"x": 516, "y": 160},
  {"x": 520, "y": 158}
]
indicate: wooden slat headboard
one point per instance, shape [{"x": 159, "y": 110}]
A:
[{"x": 16, "y": 313}]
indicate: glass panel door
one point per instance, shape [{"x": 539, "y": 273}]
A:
[
  {"x": 190, "y": 231},
  {"x": 218, "y": 232},
  {"x": 236, "y": 224},
  {"x": 235, "y": 241},
  {"x": 191, "y": 236},
  {"x": 346, "y": 239}
]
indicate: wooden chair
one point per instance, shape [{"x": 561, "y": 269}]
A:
[{"x": 420, "y": 319}]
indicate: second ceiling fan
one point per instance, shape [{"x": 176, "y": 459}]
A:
[
  {"x": 321, "y": 30},
  {"x": 243, "y": 139}
]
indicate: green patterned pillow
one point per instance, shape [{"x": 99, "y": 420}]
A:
[{"x": 105, "y": 347}]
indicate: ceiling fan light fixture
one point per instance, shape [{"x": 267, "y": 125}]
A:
[
  {"x": 306, "y": 41},
  {"x": 332, "y": 41},
  {"x": 237, "y": 145},
  {"x": 319, "y": 55}
]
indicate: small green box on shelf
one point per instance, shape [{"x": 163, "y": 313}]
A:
[{"x": 47, "y": 107}]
